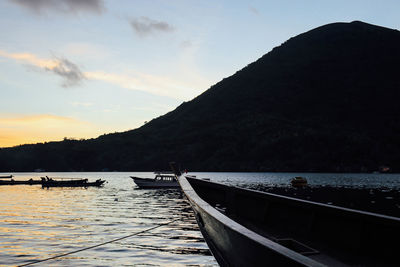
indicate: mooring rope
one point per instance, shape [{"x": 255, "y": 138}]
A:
[{"x": 98, "y": 245}]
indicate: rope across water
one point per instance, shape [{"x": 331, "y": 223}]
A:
[{"x": 98, "y": 245}]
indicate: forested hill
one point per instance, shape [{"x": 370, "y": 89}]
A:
[{"x": 325, "y": 100}]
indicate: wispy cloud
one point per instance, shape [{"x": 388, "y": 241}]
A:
[
  {"x": 138, "y": 81},
  {"x": 186, "y": 44},
  {"x": 67, "y": 70},
  {"x": 29, "y": 58},
  {"x": 22, "y": 129},
  {"x": 144, "y": 26},
  {"x": 175, "y": 86},
  {"x": 153, "y": 84},
  {"x": 40, "y": 7},
  {"x": 254, "y": 10}
]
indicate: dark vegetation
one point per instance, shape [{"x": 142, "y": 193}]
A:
[{"x": 325, "y": 100}]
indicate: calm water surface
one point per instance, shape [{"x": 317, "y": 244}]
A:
[
  {"x": 371, "y": 180},
  {"x": 38, "y": 223}
]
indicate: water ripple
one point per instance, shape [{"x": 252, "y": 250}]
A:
[{"x": 37, "y": 223}]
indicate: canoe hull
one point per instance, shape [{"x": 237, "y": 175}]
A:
[
  {"x": 234, "y": 245},
  {"x": 251, "y": 228},
  {"x": 76, "y": 183},
  {"x": 230, "y": 248},
  {"x": 16, "y": 182}
]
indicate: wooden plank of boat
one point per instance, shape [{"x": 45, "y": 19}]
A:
[
  {"x": 250, "y": 228},
  {"x": 160, "y": 181}
]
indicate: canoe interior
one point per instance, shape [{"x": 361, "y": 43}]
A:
[{"x": 327, "y": 234}]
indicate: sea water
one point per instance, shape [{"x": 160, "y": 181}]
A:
[{"x": 38, "y": 223}]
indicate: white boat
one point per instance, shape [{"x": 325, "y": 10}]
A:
[{"x": 159, "y": 181}]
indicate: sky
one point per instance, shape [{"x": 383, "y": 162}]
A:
[{"x": 83, "y": 68}]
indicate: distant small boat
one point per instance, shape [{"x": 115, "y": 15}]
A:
[
  {"x": 69, "y": 182},
  {"x": 159, "y": 181},
  {"x": 250, "y": 228},
  {"x": 6, "y": 176},
  {"x": 298, "y": 181}
]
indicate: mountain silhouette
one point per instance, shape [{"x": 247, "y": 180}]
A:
[{"x": 325, "y": 100}]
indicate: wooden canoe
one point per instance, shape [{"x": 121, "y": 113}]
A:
[
  {"x": 20, "y": 182},
  {"x": 250, "y": 228},
  {"x": 69, "y": 182}
]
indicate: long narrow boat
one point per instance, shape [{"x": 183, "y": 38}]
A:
[
  {"x": 159, "y": 181},
  {"x": 69, "y": 182},
  {"x": 6, "y": 176},
  {"x": 20, "y": 182},
  {"x": 250, "y": 228}
]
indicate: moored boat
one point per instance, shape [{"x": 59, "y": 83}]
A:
[
  {"x": 19, "y": 182},
  {"x": 69, "y": 182},
  {"x": 6, "y": 176},
  {"x": 159, "y": 181},
  {"x": 250, "y": 228}
]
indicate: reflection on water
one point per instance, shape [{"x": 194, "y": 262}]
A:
[{"x": 38, "y": 223}]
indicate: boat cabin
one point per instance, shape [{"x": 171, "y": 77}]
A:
[{"x": 161, "y": 177}]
